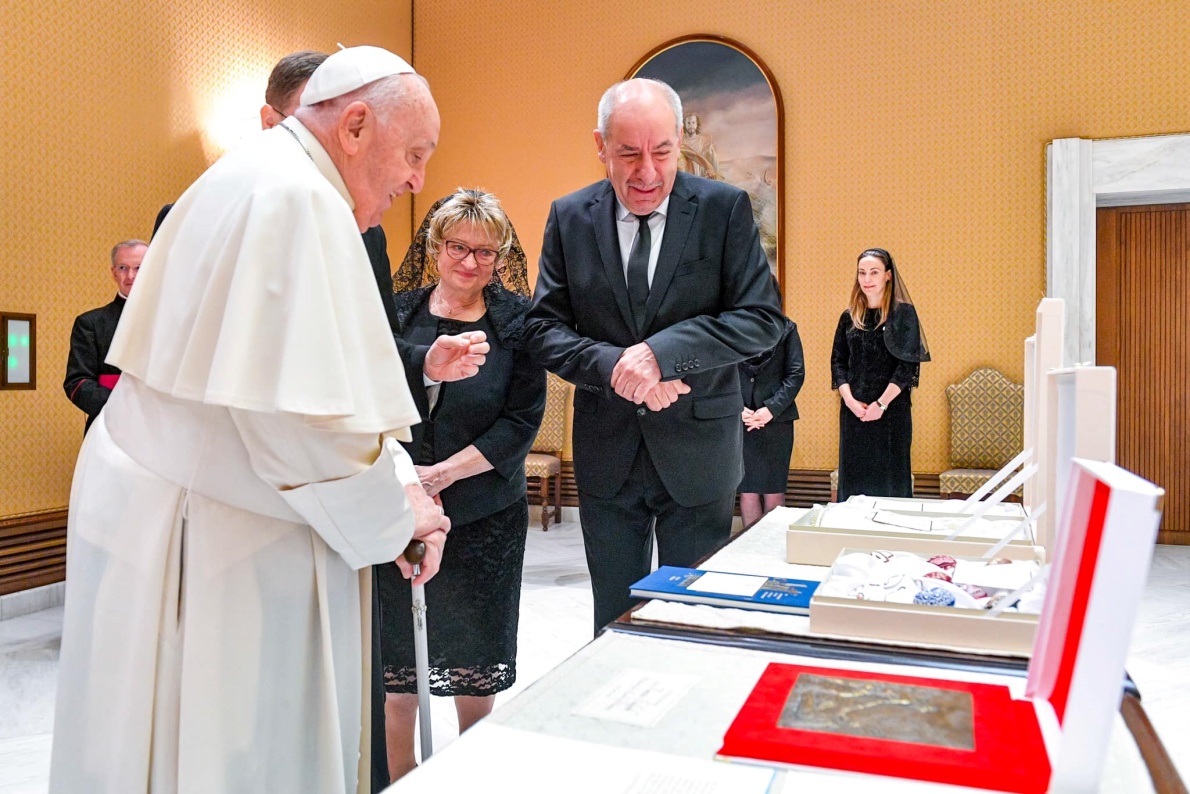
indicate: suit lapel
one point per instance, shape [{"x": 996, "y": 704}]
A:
[
  {"x": 603, "y": 221},
  {"x": 678, "y": 222}
]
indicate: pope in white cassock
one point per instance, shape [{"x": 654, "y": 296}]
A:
[{"x": 246, "y": 468}]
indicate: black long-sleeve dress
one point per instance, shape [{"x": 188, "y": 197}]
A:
[
  {"x": 874, "y": 457},
  {"x": 772, "y": 380},
  {"x": 474, "y": 600}
]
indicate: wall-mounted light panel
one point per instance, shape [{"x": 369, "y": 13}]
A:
[{"x": 18, "y": 347}]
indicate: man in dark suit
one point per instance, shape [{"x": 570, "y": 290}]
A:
[
  {"x": 89, "y": 378},
  {"x": 652, "y": 286}
]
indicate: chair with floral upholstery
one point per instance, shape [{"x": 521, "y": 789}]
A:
[
  {"x": 544, "y": 463},
  {"x": 987, "y": 413}
]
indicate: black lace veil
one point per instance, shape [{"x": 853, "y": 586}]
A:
[
  {"x": 419, "y": 268},
  {"x": 903, "y": 334}
]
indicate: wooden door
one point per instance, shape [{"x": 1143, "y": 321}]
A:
[{"x": 1143, "y": 329}]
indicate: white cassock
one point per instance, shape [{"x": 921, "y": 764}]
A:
[{"x": 243, "y": 473}]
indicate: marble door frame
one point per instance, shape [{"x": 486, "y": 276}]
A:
[{"x": 1081, "y": 175}]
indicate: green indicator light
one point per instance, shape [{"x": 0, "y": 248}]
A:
[
  {"x": 12, "y": 362},
  {"x": 24, "y": 341},
  {"x": 12, "y": 340}
]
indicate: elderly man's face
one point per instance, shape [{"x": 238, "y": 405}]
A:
[
  {"x": 391, "y": 159},
  {"x": 126, "y": 266},
  {"x": 641, "y": 151}
]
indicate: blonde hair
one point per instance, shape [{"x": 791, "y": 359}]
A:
[
  {"x": 858, "y": 305},
  {"x": 477, "y": 208}
]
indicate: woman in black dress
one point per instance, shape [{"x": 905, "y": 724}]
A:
[
  {"x": 769, "y": 384},
  {"x": 470, "y": 451},
  {"x": 878, "y": 350}
]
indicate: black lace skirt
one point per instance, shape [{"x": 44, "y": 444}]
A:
[{"x": 473, "y": 606}]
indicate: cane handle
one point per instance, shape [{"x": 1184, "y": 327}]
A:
[{"x": 415, "y": 552}]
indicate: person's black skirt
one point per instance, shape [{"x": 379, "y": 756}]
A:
[
  {"x": 766, "y": 458},
  {"x": 874, "y": 456},
  {"x": 472, "y": 610}
]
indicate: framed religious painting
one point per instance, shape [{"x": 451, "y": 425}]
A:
[{"x": 732, "y": 127}]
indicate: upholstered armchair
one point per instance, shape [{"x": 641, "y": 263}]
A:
[
  {"x": 987, "y": 413},
  {"x": 544, "y": 463}
]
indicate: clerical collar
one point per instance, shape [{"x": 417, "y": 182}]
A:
[
  {"x": 624, "y": 214},
  {"x": 322, "y": 161}
]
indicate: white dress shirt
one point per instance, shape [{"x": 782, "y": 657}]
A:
[{"x": 627, "y": 227}]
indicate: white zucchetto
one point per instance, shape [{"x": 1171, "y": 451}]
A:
[{"x": 350, "y": 69}]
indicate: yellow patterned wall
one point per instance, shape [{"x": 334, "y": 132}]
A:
[
  {"x": 912, "y": 124},
  {"x": 105, "y": 113},
  {"x": 915, "y": 125}
]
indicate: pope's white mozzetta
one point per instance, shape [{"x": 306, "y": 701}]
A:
[{"x": 242, "y": 474}]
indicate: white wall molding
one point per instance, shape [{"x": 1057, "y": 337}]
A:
[{"x": 1082, "y": 175}]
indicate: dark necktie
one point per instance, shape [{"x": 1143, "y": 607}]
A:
[{"x": 638, "y": 272}]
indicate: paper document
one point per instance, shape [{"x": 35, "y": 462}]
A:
[
  {"x": 900, "y": 507},
  {"x": 496, "y": 759},
  {"x": 636, "y": 697},
  {"x": 740, "y": 584},
  {"x": 918, "y": 523}
]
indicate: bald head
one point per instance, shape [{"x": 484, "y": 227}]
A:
[
  {"x": 636, "y": 92},
  {"x": 379, "y": 137}
]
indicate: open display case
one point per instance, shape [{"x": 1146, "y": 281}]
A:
[
  {"x": 871, "y": 595},
  {"x": 1053, "y": 738}
]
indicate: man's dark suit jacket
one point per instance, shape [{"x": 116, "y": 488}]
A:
[
  {"x": 89, "y": 342},
  {"x": 774, "y": 382},
  {"x": 377, "y": 246},
  {"x": 711, "y": 305}
]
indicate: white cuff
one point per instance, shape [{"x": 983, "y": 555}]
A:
[
  {"x": 432, "y": 392},
  {"x": 365, "y": 518},
  {"x": 402, "y": 463}
]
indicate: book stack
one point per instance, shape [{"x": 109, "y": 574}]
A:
[{"x": 745, "y": 591}]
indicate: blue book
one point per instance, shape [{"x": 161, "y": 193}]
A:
[{"x": 741, "y": 590}]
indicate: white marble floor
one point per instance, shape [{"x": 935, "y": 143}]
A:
[{"x": 555, "y": 622}]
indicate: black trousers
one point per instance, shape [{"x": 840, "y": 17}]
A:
[
  {"x": 618, "y": 534},
  {"x": 379, "y": 748}
]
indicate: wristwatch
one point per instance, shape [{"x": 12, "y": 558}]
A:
[{"x": 881, "y": 406}]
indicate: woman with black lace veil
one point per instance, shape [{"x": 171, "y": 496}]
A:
[
  {"x": 465, "y": 272},
  {"x": 876, "y": 361}
]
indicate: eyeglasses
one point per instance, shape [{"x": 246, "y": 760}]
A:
[{"x": 458, "y": 251}]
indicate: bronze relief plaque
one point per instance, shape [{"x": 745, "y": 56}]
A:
[{"x": 881, "y": 710}]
